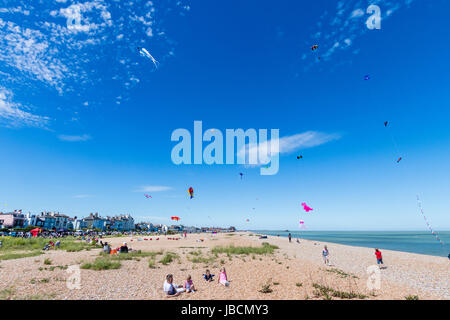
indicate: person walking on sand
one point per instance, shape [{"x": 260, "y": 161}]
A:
[
  {"x": 290, "y": 237},
  {"x": 325, "y": 255},
  {"x": 379, "y": 257}
]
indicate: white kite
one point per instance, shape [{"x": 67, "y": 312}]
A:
[{"x": 143, "y": 52}]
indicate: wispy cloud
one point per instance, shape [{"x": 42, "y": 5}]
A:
[
  {"x": 42, "y": 48},
  {"x": 142, "y": 218},
  {"x": 289, "y": 144},
  {"x": 153, "y": 189},
  {"x": 14, "y": 113},
  {"x": 81, "y": 196},
  {"x": 343, "y": 25},
  {"x": 84, "y": 137}
]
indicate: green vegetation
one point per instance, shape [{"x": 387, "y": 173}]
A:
[
  {"x": 341, "y": 273},
  {"x": 168, "y": 258},
  {"x": 9, "y": 256},
  {"x": 266, "y": 287},
  {"x": 101, "y": 263},
  {"x": 328, "y": 292},
  {"x": 412, "y": 297},
  {"x": 151, "y": 263},
  {"x": 7, "y": 294},
  {"x": 266, "y": 248},
  {"x": 44, "y": 296},
  {"x": 16, "y": 248},
  {"x": 132, "y": 255},
  {"x": 47, "y": 261},
  {"x": 299, "y": 284}
]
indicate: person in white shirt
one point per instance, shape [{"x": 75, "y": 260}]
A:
[{"x": 171, "y": 289}]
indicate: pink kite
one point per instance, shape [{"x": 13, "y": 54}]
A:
[
  {"x": 307, "y": 209},
  {"x": 147, "y": 196}
]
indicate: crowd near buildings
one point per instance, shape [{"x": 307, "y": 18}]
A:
[{"x": 55, "y": 221}]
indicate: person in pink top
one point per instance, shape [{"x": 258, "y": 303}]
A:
[{"x": 223, "y": 277}]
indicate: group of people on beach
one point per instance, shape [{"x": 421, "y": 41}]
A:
[
  {"x": 174, "y": 290},
  {"x": 108, "y": 250}
]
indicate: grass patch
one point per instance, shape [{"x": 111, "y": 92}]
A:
[
  {"x": 412, "y": 297},
  {"x": 132, "y": 255},
  {"x": 328, "y": 292},
  {"x": 151, "y": 263},
  {"x": 101, "y": 263},
  {"x": 7, "y": 294},
  {"x": 70, "y": 244},
  {"x": 47, "y": 261},
  {"x": 341, "y": 273},
  {"x": 205, "y": 260},
  {"x": 266, "y": 248},
  {"x": 299, "y": 284},
  {"x": 168, "y": 258},
  {"x": 266, "y": 288},
  {"x": 17, "y": 255},
  {"x": 39, "y": 297}
]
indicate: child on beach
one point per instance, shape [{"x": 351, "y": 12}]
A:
[
  {"x": 325, "y": 254},
  {"x": 171, "y": 290},
  {"x": 189, "y": 285},
  {"x": 379, "y": 257},
  {"x": 223, "y": 279},
  {"x": 208, "y": 276}
]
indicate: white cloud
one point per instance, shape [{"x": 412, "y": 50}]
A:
[
  {"x": 348, "y": 21},
  {"x": 43, "y": 48},
  {"x": 153, "y": 189},
  {"x": 14, "y": 114},
  {"x": 84, "y": 137},
  {"x": 290, "y": 144},
  {"x": 357, "y": 13}
]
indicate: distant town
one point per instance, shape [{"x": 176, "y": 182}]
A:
[{"x": 58, "y": 222}]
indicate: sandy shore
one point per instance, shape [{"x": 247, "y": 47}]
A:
[{"x": 291, "y": 272}]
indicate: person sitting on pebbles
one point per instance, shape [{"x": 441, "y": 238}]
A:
[
  {"x": 208, "y": 276},
  {"x": 171, "y": 289},
  {"x": 223, "y": 279},
  {"x": 123, "y": 248},
  {"x": 189, "y": 285}
]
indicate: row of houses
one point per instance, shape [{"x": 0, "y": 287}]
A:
[{"x": 61, "y": 222}]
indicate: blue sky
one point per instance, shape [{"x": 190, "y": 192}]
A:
[{"x": 85, "y": 121}]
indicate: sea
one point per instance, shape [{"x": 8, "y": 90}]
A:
[{"x": 406, "y": 241}]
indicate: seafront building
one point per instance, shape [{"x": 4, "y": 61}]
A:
[{"x": 59, "y": 222}]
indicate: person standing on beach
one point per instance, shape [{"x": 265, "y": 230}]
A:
[
  {"x": 289, "y": 236},
  {"x": 325, "y": 254},
  {"x": 379, "y": 257}
]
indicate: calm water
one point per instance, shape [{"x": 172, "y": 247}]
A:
[{"x": 407, "y": 241}]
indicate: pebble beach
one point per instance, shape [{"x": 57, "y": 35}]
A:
[{"x": 294, "y": 271}]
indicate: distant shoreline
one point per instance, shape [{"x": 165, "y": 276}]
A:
[{"x": 417, "y": 242}]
